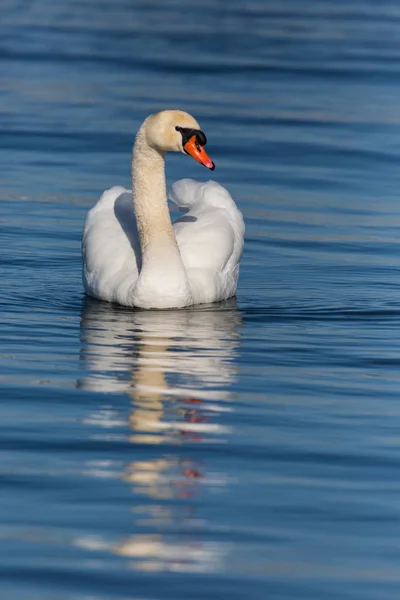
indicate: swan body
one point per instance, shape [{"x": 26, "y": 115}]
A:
[{"x": 133, "y": 255}]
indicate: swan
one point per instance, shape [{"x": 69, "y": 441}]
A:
[{"x": 132, "y": 253}]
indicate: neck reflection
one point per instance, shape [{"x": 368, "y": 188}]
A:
[{"x": 177, "y": 368}]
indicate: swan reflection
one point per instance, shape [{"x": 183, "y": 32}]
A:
[{"x": 177, "y": 368}]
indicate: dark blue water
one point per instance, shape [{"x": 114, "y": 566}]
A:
[{"x": 246, "y": 450}]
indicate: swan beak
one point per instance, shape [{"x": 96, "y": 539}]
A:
[{"x": 197, "y": 152}]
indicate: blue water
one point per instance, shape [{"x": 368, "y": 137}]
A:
[{"x": 244, "y": 450}]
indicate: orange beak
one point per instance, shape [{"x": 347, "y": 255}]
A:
[{"x": 193, "y": 148}]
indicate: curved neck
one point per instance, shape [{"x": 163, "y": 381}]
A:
[
  {"x": 162, "y": 282},
  {"x": 150, "y": 195}
]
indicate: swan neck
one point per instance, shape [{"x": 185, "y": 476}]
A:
[
  {"x": 162, "y": 282},
  {"x": 150, "y": 194}
]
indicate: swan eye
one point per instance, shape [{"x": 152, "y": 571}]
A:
[{"x": 187, "y": 133}]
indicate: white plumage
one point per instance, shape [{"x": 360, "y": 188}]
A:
[{"x": 132, "y": 255}]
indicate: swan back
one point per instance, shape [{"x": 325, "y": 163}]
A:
[{"x": 210, "y": 238}]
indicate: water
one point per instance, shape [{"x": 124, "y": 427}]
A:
[{"x": 248, "y": 450}]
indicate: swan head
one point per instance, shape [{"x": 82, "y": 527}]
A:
[{"x": 177, "y": 131}]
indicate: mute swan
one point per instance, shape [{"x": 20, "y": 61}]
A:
[{"x": 134, "y": 256}]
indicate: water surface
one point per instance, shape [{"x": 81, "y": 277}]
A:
[{"x": 242, "y": 450}]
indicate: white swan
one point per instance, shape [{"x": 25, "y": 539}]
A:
[{"x": 134, "y": 256}]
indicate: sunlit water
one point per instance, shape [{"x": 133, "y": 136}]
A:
[{"x": 248, "y": 450}]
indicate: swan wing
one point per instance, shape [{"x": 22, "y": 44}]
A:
[
  {"x": 110, "y": 248},
  {"x": 210, "y": 238},
  {"x": 209, "y": 235}
]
